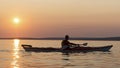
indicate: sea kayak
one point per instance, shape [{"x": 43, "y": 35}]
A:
[{"x": 75, "y": 49}]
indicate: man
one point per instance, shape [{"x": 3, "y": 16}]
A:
[{"x": 66, "y": 44}]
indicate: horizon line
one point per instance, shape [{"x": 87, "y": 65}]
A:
[{"x": 61, "y": 38}]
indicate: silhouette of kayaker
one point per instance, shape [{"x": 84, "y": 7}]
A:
[{"x": 66, "y": 44}]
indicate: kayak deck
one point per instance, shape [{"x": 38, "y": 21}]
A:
[{"x": 75, "y": 49}]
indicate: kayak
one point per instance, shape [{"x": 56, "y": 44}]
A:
[{"x": 74, "y": 49}]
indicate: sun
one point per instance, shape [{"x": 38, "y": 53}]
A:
[{"x": 16, "y": 20}]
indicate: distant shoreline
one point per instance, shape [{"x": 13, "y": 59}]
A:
[{"x": 55, "y": 38}]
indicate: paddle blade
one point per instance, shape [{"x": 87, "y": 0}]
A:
[{"x": 85, "y": 44}]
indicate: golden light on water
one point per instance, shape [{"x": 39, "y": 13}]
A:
[
  {"x": 16, "y": 43},
  {"x": 16, "y": 53}
]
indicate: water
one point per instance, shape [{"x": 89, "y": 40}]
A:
[{"x": 12, "y": 55}]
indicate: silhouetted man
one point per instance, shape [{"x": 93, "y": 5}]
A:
[{"x": 66, "y": 44}]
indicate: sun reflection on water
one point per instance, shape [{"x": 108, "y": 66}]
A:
[{"x": 16, "y": 53}]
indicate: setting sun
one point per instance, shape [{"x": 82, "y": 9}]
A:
[{"x": 16, "y": 20}]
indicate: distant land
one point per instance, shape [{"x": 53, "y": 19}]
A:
[{"x": 60, "y": 38}]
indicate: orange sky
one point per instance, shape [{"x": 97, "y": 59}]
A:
[{"x": 55, "y": 18}]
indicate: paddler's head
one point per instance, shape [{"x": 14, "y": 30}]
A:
[{"x": 66, "y": 37}]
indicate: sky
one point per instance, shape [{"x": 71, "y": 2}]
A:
[{"x": 56, "y": 18}]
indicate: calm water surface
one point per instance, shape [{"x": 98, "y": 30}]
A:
[{"x": 12, "y": 55}]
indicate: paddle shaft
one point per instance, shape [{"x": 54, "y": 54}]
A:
[{"x": 84, "y": 44}]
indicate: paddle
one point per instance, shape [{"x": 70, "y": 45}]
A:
[
  {"x": 85, "y": 44},
  {"x": 78, "y": 45}
]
